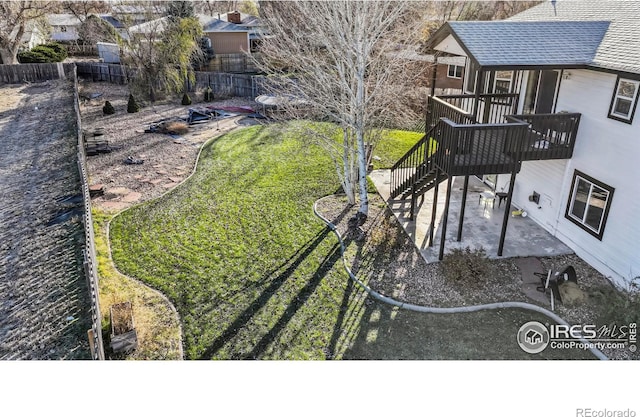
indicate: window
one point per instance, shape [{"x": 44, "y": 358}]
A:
[
  {"x": 502, "y": 82},
  {"x": 625, "y": 98},
  {"x": 589, "y": 204},
  {"x": 454, "y": 71}
]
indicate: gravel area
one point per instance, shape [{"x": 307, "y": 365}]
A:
[
  {"x": 44, "y": 300},
  {"x": 167, "y": 160},
  {"x": 388, "y": 261}
]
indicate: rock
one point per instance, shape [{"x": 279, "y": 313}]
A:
[{"x": 570, "y": 293}]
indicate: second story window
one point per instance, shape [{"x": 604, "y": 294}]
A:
[
  {"x": 625, "y": 98},
  {"x": 454, "y": 71}
]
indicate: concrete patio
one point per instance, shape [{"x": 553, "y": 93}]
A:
[{"x": 482, "y": 223}]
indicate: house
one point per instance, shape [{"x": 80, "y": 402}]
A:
[
  {"x": 64, "y": 27},
  {"x": 226, "y": 37},
  {"x": 448, "y": 71},
  {"x": 33, "y": 35},
  {"x": 548, "y": 119},
  {"x": 253, "y": 24}
]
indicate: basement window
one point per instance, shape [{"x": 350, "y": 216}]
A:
[
  {"x": 624, "y": 101},
  {"x": 589, "y": 204}
]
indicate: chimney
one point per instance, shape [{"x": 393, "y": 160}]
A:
[{"x": 233, "y": 17}]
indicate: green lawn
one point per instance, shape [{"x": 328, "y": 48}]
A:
[
  {"x": 392, "y": 146},
  {"x": 254, "y": 274}
]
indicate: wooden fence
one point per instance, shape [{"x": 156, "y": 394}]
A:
[
  {"x": 34, "y": 73},
  {"x": 229, "y": 85},
  {"x": 222, "y": 84},
  {"x": 235, "y": 63},
  {"x": 111, "y": 73},
  {"x": 90, "y": 261}
]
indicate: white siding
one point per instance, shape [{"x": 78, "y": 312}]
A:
[{"x": 606, "y": 150}]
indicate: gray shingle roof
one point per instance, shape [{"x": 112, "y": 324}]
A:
[
  {"x": 620, "y": 47},
  {"x": 529, "y": 44},
  {"x": 217, "y": 25}
]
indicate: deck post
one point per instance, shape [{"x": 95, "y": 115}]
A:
[
  {"x": 443, "y": 234},
  {"x": 413, "y": 201},
  {"x": 507, "y": 208},
  {"x": 462, "y": 207},
  {"x": 434, "y": 207}
]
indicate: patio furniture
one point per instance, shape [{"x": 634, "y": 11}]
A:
[
  {"x": 487, "y": 197},
  {"x": 501, "y": 196}
]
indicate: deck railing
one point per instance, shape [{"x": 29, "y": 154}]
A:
[
  {"x": 490, "y": 108},
  {"x": 479, "y": 148},
  {"x": 465, "y": 147},
  {"x": 549, "y": 136},
  {"x": 413, "y": 165}
]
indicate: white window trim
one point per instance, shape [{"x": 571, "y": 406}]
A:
[
  {"x": 496, "y": 78},
  {"x": 454, "y": 71},
  {"x": 616, "y": 96}
]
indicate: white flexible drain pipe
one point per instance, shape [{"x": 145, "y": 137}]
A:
[{"x": 445, "y": 310}]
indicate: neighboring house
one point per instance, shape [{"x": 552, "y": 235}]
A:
[
  {"x": 226, "y": 38},
  {"x": 253, "y": 24},
  {"x": 145, "y": 29},
  {"x": 571, "y": 74},
  {"x": 33, "y": 36},
  {"x": 64, "y": 27},
  {"x": 116, "y": 23}
]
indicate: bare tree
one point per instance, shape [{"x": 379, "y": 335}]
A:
[
  {"x": 82, "y": 9},
  {"x": 333, "y": 59},
  {"x": 14, "y": 17}
]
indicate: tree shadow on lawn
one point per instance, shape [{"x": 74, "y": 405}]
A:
[
  {"x": 388, "y": 333},
  {"x": 298, "y": 301}
]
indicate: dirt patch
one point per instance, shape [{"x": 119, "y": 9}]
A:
[
  {"x": 45, "y": 310},
  {"x": 166, "y": 159}
]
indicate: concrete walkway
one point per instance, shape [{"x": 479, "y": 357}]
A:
[{"x": 482, "y": 224}]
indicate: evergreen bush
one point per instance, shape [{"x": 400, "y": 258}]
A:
[
  {"x": 108, "y": 108},
  {"x": 49, "y": 52},
  {"x": 132, "y": 106},
  {"x": 186, "y": 100}
]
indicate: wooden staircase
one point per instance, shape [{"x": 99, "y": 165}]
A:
[{"x": 415, "y": 173}]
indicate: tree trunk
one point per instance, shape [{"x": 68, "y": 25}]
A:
[
  {"x": 359, "y": 130},
  {"x": 8, "y": 57},
  {"x": 349, "y": 185}
]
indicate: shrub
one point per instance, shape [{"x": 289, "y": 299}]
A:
[
  {"x": 465, "y": 265},
  {"x": 108, "y": 108},
  {"x": 49, "y": 52},
  {"x": 208, "y": 94},
  {"x": 132, "y": 106},
  {"x": 186, "y": 100},
  {"x": 60, "y": 50}
]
